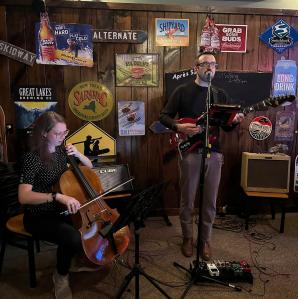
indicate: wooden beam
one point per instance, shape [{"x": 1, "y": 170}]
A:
[{"x": 156, "y": 7}]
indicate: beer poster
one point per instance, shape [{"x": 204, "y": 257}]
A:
[
  {"x": 91, "y": 101},
  {"x": 172, "y": 32},
  {"x": 131, "y": 118},
  {"x": 63, "y": 44},
  {"x": 137, "y": 70},
  {"x": 233, "y": 38},
  {"x": 32, "y": 101}
]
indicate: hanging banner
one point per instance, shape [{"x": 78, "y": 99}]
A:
[
  {"x": 209, "y": 41},
  {"x": 172, "y": 32},
  {"x": 279, "y": 36},
  {"x": 284, "y": 79},
  {"x": 131, "y": 118},
  {"x": 17, "y": 53},
  {"x": 63, "y": 44},
  {"x": 32, "y": 101},
  {"x": 233, "y": 38},
  {"x": 119, "y": 36},
  {"x": 284, "y": 126}
]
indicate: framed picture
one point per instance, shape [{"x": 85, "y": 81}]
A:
[{"x": 137, "y": 70}]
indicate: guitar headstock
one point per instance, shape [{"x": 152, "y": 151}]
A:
[{"x": 269, "y": 102}]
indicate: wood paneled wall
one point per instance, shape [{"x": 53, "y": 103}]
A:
[{"x": 144, "y": 154}]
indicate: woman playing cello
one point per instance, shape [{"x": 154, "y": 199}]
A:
[{"x": 41, "y": 170}]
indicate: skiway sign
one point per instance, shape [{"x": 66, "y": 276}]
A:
[{"x": 17, "y": 53}]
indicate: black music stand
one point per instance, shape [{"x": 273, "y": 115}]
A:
[
  {"x": 135, "y": 213},
  {"x": 216, "y": 115}
]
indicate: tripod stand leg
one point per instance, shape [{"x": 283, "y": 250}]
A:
[
  {"x": 125, "y": 283},
  {"x": 149, "y": 278}
]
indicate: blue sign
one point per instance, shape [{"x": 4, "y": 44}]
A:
[
  {"x": 280, "y": 36},
  {"x": 284, "y": 80}
]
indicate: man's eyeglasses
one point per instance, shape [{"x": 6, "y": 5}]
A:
[
  {"x": 61, "y": 134},
  {"x": 207, "y": 64}
]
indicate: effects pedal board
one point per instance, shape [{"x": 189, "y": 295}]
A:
[{"x": 227, "y": 271}]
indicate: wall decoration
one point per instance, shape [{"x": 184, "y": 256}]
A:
[
  {"x": 63, "y": 44},
  {"x": 260, "y": 128},
  {"x": 90, "y": 101},
  {"x": 119, "y": 36},
  {"x": 17, "y": 53},
  {"x": 210, "y": 41},
  {"x": 92, "y": 141},
  {"x": 172, "y": 32},
  {"x": 284, "y": 126},
  {"x": 279, "y": 36},
  {"x": 284, "y": 79},
  {"x": 131, "y": 118},
  {"x": 137, "y": 70},
  {"x": 32, "y": 101},
  {"x": 233, "y": 38},
  {"x": 295, "y": 185}
]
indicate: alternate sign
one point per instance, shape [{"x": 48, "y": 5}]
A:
[
  {"x": 17, "y": 53},
  {"x": 119, "y": 36}
]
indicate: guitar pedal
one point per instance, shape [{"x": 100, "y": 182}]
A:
[{"x": 212, "y": 269}]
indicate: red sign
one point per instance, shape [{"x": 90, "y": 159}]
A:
[{"x": 232, "y": 37}]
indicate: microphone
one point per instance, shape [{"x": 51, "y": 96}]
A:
[{"x": 208, "y": 75}]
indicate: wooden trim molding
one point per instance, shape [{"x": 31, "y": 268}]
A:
[{"x": 155, "y": 7}]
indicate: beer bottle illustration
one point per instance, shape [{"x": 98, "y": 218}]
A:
[
  {"x": 47, "y": 41},
  {"x": 206, "y": 36}
]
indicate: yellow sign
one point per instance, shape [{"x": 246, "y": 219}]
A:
[
  {"x": 90, "y": 140},
  {"x": 90, "y": 101}
]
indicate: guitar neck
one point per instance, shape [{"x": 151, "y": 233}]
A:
[{"x": 269, "y": 102}]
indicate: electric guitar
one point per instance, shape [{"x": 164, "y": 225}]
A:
[{"x": 186, "y": 143}]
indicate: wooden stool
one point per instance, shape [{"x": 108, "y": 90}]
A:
[
  {"x": 16, "y": 230},
  {"x": 272, "y": 196}
]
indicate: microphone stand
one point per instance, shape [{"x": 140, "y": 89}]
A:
[{"x": 199, "y": 266}]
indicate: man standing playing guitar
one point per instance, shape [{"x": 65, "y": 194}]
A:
[{"x": 189, "y": 101}]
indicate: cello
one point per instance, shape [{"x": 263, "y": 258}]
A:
[{"x": 94, "y": 215}]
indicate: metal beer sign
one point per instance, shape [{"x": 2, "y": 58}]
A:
[
  {"x": 119, "y": 36},
  {"x": 280, "y": 36},
  {"x": 17, "y": 53}
]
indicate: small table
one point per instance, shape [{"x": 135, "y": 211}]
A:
[{"x": 271, "y": 195}]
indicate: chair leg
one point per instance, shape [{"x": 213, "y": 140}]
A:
[
  {"x": 283, "y": 216},
  {"x": 246, "y": 211},
  {"x": 31, "y": 260},
  {"x": 2, "y": 252},
  {"x": 37, "y": 245}
]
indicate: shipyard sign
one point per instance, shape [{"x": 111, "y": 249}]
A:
[
  {"x": 119, "y": 36},
  {"x": 17, "y": 53}
]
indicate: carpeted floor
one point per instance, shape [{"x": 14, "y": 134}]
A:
[{"x": 273, "y": 259}]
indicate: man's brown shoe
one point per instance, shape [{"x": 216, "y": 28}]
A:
[
  {"x": 206, "y": 251},
  {"x": 187, "y": 247}
]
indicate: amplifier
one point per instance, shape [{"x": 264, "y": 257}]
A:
[
  {"x": 265, "y": 172},
  {"x": 112, "y": 175}
]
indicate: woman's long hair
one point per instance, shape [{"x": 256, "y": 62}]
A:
[{"x": 38, "y": 141}]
